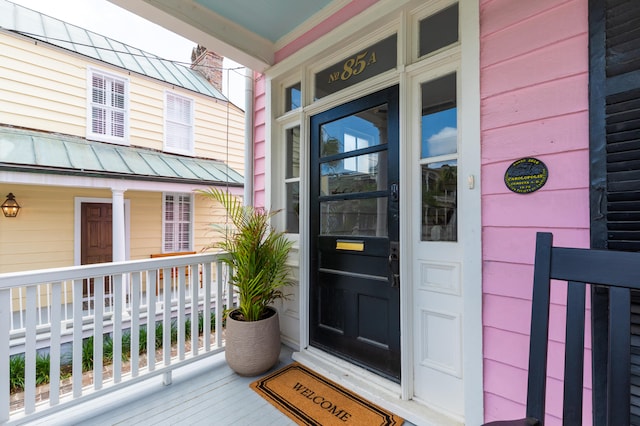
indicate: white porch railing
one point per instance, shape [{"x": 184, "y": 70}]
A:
[{"x": 51, "y": 311}]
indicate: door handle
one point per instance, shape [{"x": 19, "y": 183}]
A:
[
  {"x": 394, "y": 191},
  {"x": 394, "y": 263}
]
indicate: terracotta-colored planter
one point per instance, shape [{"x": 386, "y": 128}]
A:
[{"x": 252, "y": 348}]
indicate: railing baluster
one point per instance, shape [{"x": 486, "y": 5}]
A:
[
  {"x": 98, "y": 315},
  {"x": 68, "y": 288},
  {"x": 5, "y": 311},
  {"x": 230, "y": 290},
  {"x": 206, "y": 303},
  {"x": 116, "y": 299},
  {"x": 166, "y": 324},
  {"x": 55, "y": 307},
  {"x": 219, "y": 304},
  {"x": 181, "y": 311},
  {"x": 21, "y": 298},
  {"x": 195, "y": 309},
  {"x": 134, "y": 331},
  {"x": 151, "y": 319},
  {"x": 30, "y": 352},
  {"x": 78, "y": 287}
]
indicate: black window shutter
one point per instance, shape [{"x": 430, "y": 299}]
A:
[{"x": 614, "y": 116}]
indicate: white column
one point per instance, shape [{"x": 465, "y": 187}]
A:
[
  {"x": 117, "y": 226},
  {"x": 118, "y": 239}
]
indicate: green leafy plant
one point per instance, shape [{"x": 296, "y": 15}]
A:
[
  {"x": 16, "y": 373},
  {"x": 257, "y": 255},
  {"x": 43, "y": 367},
  {"x": 87, "y": 354}
]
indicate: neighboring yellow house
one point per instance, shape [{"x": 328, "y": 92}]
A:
[{"x": 103, "y": 145}]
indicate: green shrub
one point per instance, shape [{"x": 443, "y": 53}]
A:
[
  {"x": 43, "y": 367},
  {"x": 16, "y": 373},
  {"x": 87, "y": 354}
]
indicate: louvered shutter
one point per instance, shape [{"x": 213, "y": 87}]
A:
[
  {"x": 177, "y": 222},
  {"x": 615, "y": 146},
  {"x": 108, "y": 106},
  {"x": 179, "y": 124}
]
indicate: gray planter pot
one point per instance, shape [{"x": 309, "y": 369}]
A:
[{"x": 252, "y": 348}]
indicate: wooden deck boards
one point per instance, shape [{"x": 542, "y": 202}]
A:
[{"x": 204, "y": 393}]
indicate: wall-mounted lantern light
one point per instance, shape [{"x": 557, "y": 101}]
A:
[{"x": 10, "y": 207}]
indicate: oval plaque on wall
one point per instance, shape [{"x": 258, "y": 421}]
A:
[{"x": 526, "y": 175}]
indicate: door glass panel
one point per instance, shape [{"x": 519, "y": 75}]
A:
[
  {"x": 293, "y": 207},
  {"x": 439, "y": 117},
  {"x": 292, "y": 97},
  {"x": 364, "y": 217},
  {"x": 293, "y": 153},
  {"x": 353, "y": 174},
  {"x": 439, "y": 201},
  {"x": 362, "y": 130}
]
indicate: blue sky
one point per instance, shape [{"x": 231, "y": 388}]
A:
[{"x": 439, "y": 133}]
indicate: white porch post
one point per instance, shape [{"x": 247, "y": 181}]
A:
[
  {"x": 118, "y": 237},
  {"x": 118, "y": 232}
]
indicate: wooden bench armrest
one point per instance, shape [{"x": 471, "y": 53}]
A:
[{"x": 176, "y": 253}]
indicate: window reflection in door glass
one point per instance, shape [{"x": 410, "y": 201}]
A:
[
  {"x": 364, "y": 217},
  {"x": 293, "y": 207},
  {"x": 358, "y": 131},
  {"x": 292, "y": 97},
  {"x": 439, "y": 201},
  {"x": 439, "y": 117},
  {"x": 350, "y": 175},
  {"x": 293, "y": 153}
]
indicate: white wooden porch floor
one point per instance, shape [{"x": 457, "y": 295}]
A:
[{"x": 203, "y": 393}]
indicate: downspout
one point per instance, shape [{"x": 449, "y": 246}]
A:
[{"x": 248, "y": 138}]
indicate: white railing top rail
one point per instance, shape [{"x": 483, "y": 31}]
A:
[{"x": 25, "y": 278}]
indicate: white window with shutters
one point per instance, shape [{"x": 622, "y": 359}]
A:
[
  {"x": 107, "y": 107},
  {"x": 178, "y": 124},
  {"x": 177, "y": 222}
]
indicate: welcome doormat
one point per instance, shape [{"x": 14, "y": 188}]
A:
[{"x": 310, "y": 399}]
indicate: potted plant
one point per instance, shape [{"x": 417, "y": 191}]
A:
[{"x": 257, "y": 257}]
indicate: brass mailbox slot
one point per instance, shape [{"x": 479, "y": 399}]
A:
[{"x": 350, "y": 245}]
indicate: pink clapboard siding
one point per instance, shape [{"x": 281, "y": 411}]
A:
[
  {"x": 534, "y": 103},
  {"x": 338, "y": 18}
]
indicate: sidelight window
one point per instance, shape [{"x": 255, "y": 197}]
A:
[{"x": 439, "y": 164}]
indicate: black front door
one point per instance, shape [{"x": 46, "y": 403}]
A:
[{"x": 354, "y": 233}]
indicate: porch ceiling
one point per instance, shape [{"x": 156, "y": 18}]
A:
[{"x": 247, "y": 31}]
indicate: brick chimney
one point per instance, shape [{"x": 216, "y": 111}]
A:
[{"x": 209, "y": 64}]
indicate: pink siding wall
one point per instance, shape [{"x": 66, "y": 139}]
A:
[
  {"x": 534, "y": 100},
  {"x": 350, "y": 10}
]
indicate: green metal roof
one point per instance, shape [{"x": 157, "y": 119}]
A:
[
  {"x": 31, "y": 151},
  {"x": 42, "y": 27}
]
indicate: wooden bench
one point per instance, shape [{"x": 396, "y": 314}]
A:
[
  {"x": 609, "y": 275},
  {"x": 175, "y": 253}
]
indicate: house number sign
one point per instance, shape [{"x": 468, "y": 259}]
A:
[
  {"x": 373, "y": 60},
  {"x": 526, "y": 175}
]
